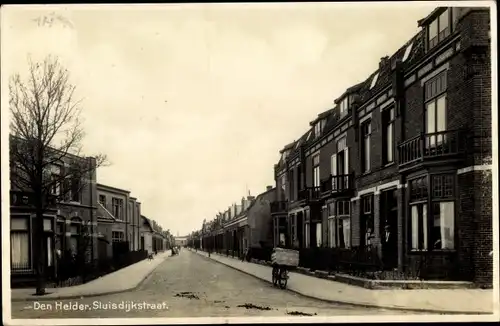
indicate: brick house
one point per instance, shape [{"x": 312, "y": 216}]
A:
[
  {"x": 70, "y": 216},
  {"x": 241, "y": 226},
  {"x": 118, "y": 217},
  {"x": 401, "y": 166}
]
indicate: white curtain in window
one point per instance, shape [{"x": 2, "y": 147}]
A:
[
  {"x": 346, "y": 167},
  {"x": 389, "y": 142},
  {"x": 447, "y": 210},
  {"x": 424, "y": 222},
  {"x": 346, "y": 227},
  {"x": 319, "y": 234},
  {"x": 307, "y": 234},
  {"x": 433, "y": 30},
  {"x": 367, "y": 153},
  {"x": 431, "y": 122},
  {"x": 331, "y": 232},
  {"x": 49, "y": 251},
  {"x": 414, "y": 227},
  {"x": 19, "y": 246}
]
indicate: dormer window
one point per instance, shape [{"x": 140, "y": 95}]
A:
[
  {"x": 407, "y": 52},
  {"x": 374, "y": 81},
  {"x": 439, "y": 29},
  {"x": 318, "y": 128},
  {"x": 344, "y": 107}
]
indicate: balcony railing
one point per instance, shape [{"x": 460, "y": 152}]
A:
[
  {"x": 279, "y": 207},
  {"x": 310, "y": 193},
  {"x": 337, "y": 184},
  {"x": 433, "y": 145}
]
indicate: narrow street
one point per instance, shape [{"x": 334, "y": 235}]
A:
[{"x": 189, "y": 285}]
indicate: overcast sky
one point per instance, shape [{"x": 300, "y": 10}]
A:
[{"x": 192, "y": 103}]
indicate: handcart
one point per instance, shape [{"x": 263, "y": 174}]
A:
[{"x": 282, "y": 261}]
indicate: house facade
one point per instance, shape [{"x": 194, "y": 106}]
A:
[
  {"x": 122, "y": 213},
  {"x": 401, "y": 166},
  {"x": 241, "y": 226},
  {"x": 146, "y": 233},
  {"x": 70, "y": 222}
]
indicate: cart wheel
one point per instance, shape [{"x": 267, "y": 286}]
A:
[{"x": 283, "y": 278}]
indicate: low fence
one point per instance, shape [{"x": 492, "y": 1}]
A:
[{"x": 73, "y": 269}]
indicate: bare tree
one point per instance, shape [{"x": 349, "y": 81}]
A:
[{"x": 45, "y": 144}]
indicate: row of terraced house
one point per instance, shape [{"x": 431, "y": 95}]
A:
[
  {"x": 398, "y": 174},
  {"x": 103, "y": 221}
]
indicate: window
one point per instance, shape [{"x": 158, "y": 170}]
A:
[
  {"x": 316, "y": 176},
  {"x": 19, "y": 244},
  {"x": 117, "y": 236},
  {"x": 435, "y": 110},
  {"x": 344, "y": 107},
  {"x": 366, "y": 130},
  {"x": 433, "y": 222},
  {"x": 339, "y": 224},
  {"x": 407, "y": 52},
  {"x": 117, "y": 207},
  {"x": 374, "y": 80},
  {"x": 388, "y": 135},
  {"x": 55, "y": 182},
  {"x": 367, "y": 222},
  {"x": 76, "y": 186},
  {"x": 439, "y": 29},
  {"x": 102, "y": 200},
  {"x": 319, "y": 230},
  {"x": 307, "y": 234},
  {"x": 73, "y": 241}
]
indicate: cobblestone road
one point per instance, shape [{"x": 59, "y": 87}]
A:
[{"x": 189, "y": 285}]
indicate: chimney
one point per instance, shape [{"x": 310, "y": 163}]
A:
[
  {"x": 383, "y": 62},
  {"x": 269, "y": 188}
]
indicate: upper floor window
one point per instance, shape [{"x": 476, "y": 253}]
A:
[
  {"x": 76, "y": 189},
  {"x": 102, "y": 200},
  {"x": 344, "y": 106},
  {"x": 366, "y": 130},
  {"x": 117, "y": 207},
  {"x": 439, "y": 29},
  {"x": 316, "y": 175},
  {"x": 318, "y": 128},
  {"x": 367, "y": 220},
  {"x": 388, "y": 135},
  {"x": 436, "y": 110},
  {"x": 55, "y": 180}
]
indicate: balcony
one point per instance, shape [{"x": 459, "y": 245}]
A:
[
  {"x": 337, "y": 185},
  {"x": 310, "y": 194},
  {"x": 444, "y": 145},
  {"x": 278, "y": 207}
]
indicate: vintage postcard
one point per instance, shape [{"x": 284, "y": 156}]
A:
[{"x": 249, "y": 162}]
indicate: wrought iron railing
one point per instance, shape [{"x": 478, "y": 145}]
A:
[
  {"x": 310, "y": 193},
  {"x": 432, "y": 145},
  {"x": 337, "y": 183}
]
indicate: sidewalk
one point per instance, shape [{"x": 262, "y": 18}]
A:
[
  {"x": 456, "y": 301},
  {"x": 125, "y": 279}
]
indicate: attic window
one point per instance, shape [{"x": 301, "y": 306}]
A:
[
  {"x": 407, "y": 52},
  {"x": 308, "y": 136},
  {"x": 374, "y": 81},
  {"x": 439, "y": 29},
  {"x": 344, "y": 106}
]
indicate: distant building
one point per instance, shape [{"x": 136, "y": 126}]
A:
[{"x": 181, "y": 241}]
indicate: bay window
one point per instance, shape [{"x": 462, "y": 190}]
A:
[
  {"x": 432, "y": 213},
  {"x": 339, "y": 224},
  {"x": 20, "y": 243}
]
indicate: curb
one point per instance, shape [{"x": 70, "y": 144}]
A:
[
  {"x": 81, "y": 296},
  {"x": 356, "y": 304}
]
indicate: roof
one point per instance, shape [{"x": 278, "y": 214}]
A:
[
  {"x": 105, "y": 187},
  {"x": 148, "y": 222}
]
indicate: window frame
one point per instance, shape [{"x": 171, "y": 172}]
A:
[
  {"x": 441, "y": 33},
  {"x": 25, "y": 231},
  {"x": 366, "y": 216},
  {"x": 366, "y": 132},
  {"x": 388, "y": 122},
  {"x": 430, "y": 201}
]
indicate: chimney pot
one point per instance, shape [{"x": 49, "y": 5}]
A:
[
  {"x": 383, "y": 62},
  {"x": 269, "y": 188}
]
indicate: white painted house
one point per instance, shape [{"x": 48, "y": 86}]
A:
[{"x": 146, "y": 235}]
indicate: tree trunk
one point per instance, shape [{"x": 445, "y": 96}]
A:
[{"x": 40, "y": 256}]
